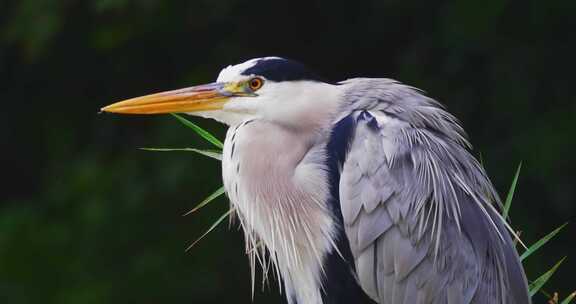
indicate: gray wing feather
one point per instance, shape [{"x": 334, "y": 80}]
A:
[
  {"x": 417, "y": 207},
  {"x": 408, "y": 256},
  {"x": 371, "y": 225},
  {"x": 365, "y": 270}
]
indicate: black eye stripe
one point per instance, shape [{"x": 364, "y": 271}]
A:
[{"x": 279, "y": 69}]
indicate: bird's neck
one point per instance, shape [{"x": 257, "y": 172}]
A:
[{"x": 276, "y": 180}]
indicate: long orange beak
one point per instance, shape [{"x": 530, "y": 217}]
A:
[{"x": 198, "y": 98}]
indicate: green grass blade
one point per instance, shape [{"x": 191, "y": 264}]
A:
[
  {"x": 207, "y": 200},
  {"x": 569, "y": 298},
  {"x": 218, "y": 221},
  {"x": 541, "y": 242},
  {"x": 216, "y": 154},
  {"x": 510, "y": 195},
  {"x": 205, "y": 134},
  {"x": 539, "y": 282}
]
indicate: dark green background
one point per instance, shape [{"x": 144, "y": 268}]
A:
[{"x": 85, "y": 217}]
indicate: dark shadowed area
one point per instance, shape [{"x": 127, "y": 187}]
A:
[{"x": 87, "y": 217}]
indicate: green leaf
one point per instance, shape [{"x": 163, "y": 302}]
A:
[
  {"x": 207, "y": 200},
  {"x": 569, "y": 298},
  {"x": 541, "y": 242},
  {"x": 205, "y": 134},
  {"x": 218, "y": 221},
  {"x": 216, "y": 154},
  {"x": 510, "y": 195},
  {"x": 539, "y": 282}
]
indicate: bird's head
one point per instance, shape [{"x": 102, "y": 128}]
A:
[{"x": 274, "y": 89}]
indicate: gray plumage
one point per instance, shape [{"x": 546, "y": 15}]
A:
[{"x": 418, "y": 209}]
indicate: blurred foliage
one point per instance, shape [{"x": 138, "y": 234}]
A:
[{"x": 86, "y": 217}]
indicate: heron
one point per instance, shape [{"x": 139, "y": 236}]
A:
[{"x": 359, "y": 191}]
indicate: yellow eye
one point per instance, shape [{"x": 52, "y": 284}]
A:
[{"x": 255, "y": 83}]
